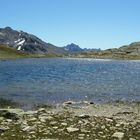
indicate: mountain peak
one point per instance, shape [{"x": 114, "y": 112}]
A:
[
  {"x": 8, "y": 28},
  {"x": 72, "y": 48}
]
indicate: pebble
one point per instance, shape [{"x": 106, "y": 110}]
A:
[
  {"x": 119, "y": 135},
  {"x": 64, "y": 124},
  {"x": 84, "y": 116},
  {"x": 132, "y": 139},
  {"x": 72, "y": 129},
  {"x": 53, "y": 123}
]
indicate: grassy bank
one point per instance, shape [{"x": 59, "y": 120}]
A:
[
  {"x": 10, "y": 53},
  {"x": 106, "y": 55}
]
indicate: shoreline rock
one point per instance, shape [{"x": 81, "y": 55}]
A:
[{"x": 105, "y": 122}]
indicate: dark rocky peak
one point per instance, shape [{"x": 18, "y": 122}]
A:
[
  {"x": 8, "y": 28},
  {"x": 76, "y": 48},
  {"x": 72, "y": 47}
]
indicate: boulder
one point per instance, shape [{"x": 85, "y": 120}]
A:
[{"x": 13, "y": 114}]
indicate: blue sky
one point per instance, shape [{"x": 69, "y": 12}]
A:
[{"x": 88, "y": 23}]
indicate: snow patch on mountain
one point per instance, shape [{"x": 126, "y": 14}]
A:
[
  {"x": 21, "y": 42},
  {"x": 19, "y": 48},
  {"x": 17, "y": 40}
]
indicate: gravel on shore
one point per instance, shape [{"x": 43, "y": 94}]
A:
[{"x": 71, "y": 122}]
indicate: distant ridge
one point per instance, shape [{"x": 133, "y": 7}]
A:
[
  {"x": 131, "y": 51},
  {"x": 76, "y": 48},
  {"x": 29, "y": 44},
  {"x": 72, "y": 48}
]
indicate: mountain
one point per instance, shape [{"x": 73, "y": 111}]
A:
[
  {"x": 73, "y": 48},
  {"x": 76, "y": 48},
  {"x": 26, "y": 42}
]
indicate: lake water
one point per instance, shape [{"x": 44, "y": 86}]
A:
[{"x": 57, "y": 80}]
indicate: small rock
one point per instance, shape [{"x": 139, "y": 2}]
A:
[
  {"x": 80, "y": 138},
  {"x": 132, "y": 139},
  {"x": 3, "y": 129},
  {"x": 26, "y": 128},
  {"x": 31, "y": 112},
  {"x": 86, "y": 102},
  {"x": 49, "y": 139},
  {"x": 42, "y": 120},
  {"x": 9, "y": 120},
  {"x": 109, "y": 120},
  {"x": 84, "y": 116},
  {"x": 13, "y": 114},
  {"x": 91, "y": 103},
  {"x": 53, "y": 123},
  {"x": 72, "y": 129},
  {"x": 55, "y": 127},
  {"x": 119, "y": 135},
  {"x": 68, "y": 103},
  {"x": 81, "y": 135},
  {"x": 42, "y": 109},
  {"x": 103, "y": 127},
  {"x": 64, "y": 124},
  {"x": 45, "y": 118},
  {"x": 85, "y": 131},
  {"x": 32, "y": 119},
  {"x": 29, "y": 128},
  {"x": 1, "y": 118},
  {"x": 49, "y": 117},
  {"x": 118, "y": 125}
]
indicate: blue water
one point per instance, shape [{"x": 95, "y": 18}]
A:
[{"x": 57, "y": 80}]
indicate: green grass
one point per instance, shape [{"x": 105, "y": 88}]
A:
[
  {"x": 7, "y": 52},
  {"x": 11, "y": 53},
  {"x": 107, "y": 55}
]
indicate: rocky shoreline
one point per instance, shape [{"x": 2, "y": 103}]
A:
[{"x": 111, "y": 121}]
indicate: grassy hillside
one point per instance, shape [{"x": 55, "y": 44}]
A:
[
  {"x": 11, "y": 53},
  {"x": 7, "y": 52},
  {"x": 112, "y": 54}
]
